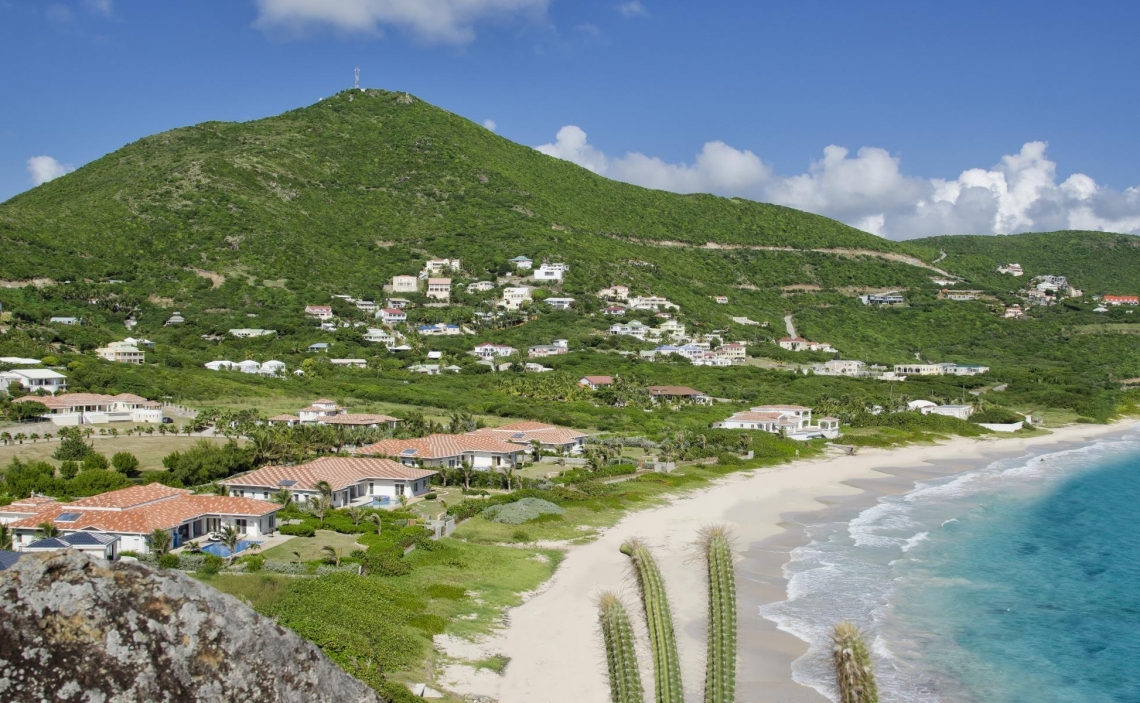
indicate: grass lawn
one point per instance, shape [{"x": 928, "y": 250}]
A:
[
  {"x": 149, "y": 449},
  {"x": 270, "y": 406},
  {"x": 310, "y": 547}
]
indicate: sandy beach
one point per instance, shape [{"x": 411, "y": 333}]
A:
[{"x": 553, "y": 642}]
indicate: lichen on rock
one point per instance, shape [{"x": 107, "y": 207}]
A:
[{"x": 73, "y": 628}]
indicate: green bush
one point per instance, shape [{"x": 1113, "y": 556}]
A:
[
  {"x": 211, "y": 565},
  {"x": 431, "y": 496},
  {"x": 169, "y": 561},
  {"x": 430, "y": 624},
  {"x": 68, "y": 470},
  {"x": 996, "y": 416},
  {"x": 253, "y": 563},
  {"x": 520, "y": 511},
  {"x": 385, "y": 562},
  {"x": 443, "y": 591},
  {"x": 94, "y": 461},
  {"x": 71, "y": 448},
  {"x": 303, "y": 529},
  {"x": 126, "y": 464}
]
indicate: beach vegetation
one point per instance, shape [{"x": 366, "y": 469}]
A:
[{"x": 851, "y": 659}]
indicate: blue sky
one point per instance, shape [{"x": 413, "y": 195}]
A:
[{"x": 903, "y": 118}]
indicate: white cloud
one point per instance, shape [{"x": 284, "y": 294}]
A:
[
  {"x": 44, "y": 168},
  {"x": 632, "y": 9},
  {"x": 102, "y": 7},
  {"x": 433, "y": 21},
  {"x": 870, "y": 191},
  {"x": 490, "y": 124}
]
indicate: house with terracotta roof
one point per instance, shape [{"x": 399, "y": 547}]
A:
[
  {"x": 354, "y": 480},
  {"x": 70, "y": 409},
  {"x": 132, "y": 514},
  {"x": 792, "y": 421},
  {"x": 489, "y": 352},
  {"x": 439, "y": 289},
  {"x": 550, "y": 438},
  {"x": 798, "y": 344},
  {"x": 673, "y": 394},
  {"x": 1122, "y": 300},
  {"x": 391, "y": 316},
  {"x": 596, "y": 382},
  {"x": 327, "y": 412},
  {"x": 321, "y": 312},
  {"x": 448, "y": 451}
]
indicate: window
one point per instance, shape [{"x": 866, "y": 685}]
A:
[
  {"x": 399, "y": 489},
  {"x": 371, "y": 488}
]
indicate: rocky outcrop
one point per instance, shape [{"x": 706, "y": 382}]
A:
[{"x": 76, "y": 629}]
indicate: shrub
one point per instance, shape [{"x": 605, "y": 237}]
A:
[
  {"x": 521, "y": 511},
  {"x": 126, "y": 464},
  {"x": 291, "y": 568},
  {"x": 385, "y": 562},
  {"x": 430, "y": 624},
  {"x": 211, "y": 565},
  {"x": 996, "y": 416},
  {"x": 68, "y": 470},
  {"x": 443, "y": 591},
  {"x": 169, "y": 561},
  {"x": 431, "y": 496},
  {"x": 94, "y": 461},
  {"x": 301, "y": 530},
  {"x": 521, "y": 536},
  {"x": 71, "y": 448},
  {"x": 253, "y": 563}
]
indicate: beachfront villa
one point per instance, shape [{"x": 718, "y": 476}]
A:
[
  {"x": 793, "y": 421},
  {"x": 71, "y": 409},
  {"x": 328, "y": 412},
  {"x": 449, "y": 451},
  {"x": 133, "y": 514},
  {"x": 550, "y": 438},
  {"x": 353, "y": 480}
]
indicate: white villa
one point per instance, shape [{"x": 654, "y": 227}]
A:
[
  {"x": 488, "y": 351},
  {"x": 636, "y": 329},
  {"x": 794, "y": 421},
  {"x": 405, "y": 284},
  {"x": 1011, "y": 269},
  {"x": 381, "y": 336},
  {"x": 943, "y": 369},
  {"x": 132, "y": 514},
  {"x": 798, "y": 344},
  {"x": 596, "y": 382},
  {"x": 618, "y": 292},
  {"x": 70, "y": 409},
  {"x": 550, "y": 272},
  {"x": 736, "y": 352},
  {"x": 327, "y": 412},
  {"x": 440, "y": 265},
  {"x": 247, "y": 333},
  {"x": 321, "y": 312},
  {"x": 560, "y": 303},
  {"x": 32, "y": 380},
  {"x": 447, "y": 450},
  {"x": 515, "y": 297},
  {"x": 560, "y": 346},
  {"x": 121, "y": 352},
  {"x": 522, "y": 263},
  {"x": 391, "y": 316},
  {"x": 842, "y": 367},
  {"x": 439, "y": 289},
  {"x": 440, "y": 329},
  {"x": 480, "y": 287},
  {"x": 549, "y": 437},
  {"x": 354, "y": 480},
  {"x": 652, "y": 302}
]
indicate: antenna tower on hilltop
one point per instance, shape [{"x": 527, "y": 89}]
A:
[{"x": 356, "y": 74}]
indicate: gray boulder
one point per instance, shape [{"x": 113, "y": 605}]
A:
[{"x": 76, "y": 629}]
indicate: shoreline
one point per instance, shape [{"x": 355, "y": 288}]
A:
[{"x": 552, "y": 642}]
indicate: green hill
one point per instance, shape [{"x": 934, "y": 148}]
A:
[
  {"x": 323, "y": 191},
  {"x": 1097, "y": 262}
]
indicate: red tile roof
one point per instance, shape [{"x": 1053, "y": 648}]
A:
[
  {"x": 359, "y": 419},
  {"x": 525, "y": 432},
  {"x": 439, "y": 446},
  {"x": 70, "y": 400},
  {"x": 673, "y": 391},
  {"x": 599, "y": 380},
  {"x": 339, "y": 472},
  {"x": 129, "y": 497},
  {"x": 164, "y": 513}
]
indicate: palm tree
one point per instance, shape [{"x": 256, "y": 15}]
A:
[
  {"x": 374, "y": 518},
  {"x": 283, "y": 496},
  {"x": 320, "y": 507},
  {"x": 325, "y": 488},
  {"x": 298, "y": 555},
  {"x": 160, "y": 542},
  {"x": 5, "y": 538},
  {"x": 20, "y": 437},
  {"x": 467, "y": 470},
  {"x": 6, "y": 437},
  {"x": 44, "y": 530},
  {"x": 231, "y": 538},
  {"x": 332, "y": 554},
  {"x": 355, "y": 514}
]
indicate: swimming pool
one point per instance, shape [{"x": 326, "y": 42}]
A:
[{"x": 224, "y": 551}]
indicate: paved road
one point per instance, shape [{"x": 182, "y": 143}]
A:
[{"x": 790, "y": 327}]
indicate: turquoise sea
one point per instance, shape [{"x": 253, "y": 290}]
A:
[{"x": 1018, "y": 582}]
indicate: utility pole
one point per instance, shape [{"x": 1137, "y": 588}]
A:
[{"x": 356, "y": 74}]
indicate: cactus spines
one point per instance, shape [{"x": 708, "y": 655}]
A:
[
  {"x": 621, "y": 658},
  {"x": 853, "y": 672},
  {"x": 659, "y": 619},
  {"x": 720, "y": 669}
]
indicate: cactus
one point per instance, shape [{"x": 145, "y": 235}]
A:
[
  {"x": 853, "y": 673},
  {"x": 625, "y": 679},
  {"x": 720, "y": 669},
  {"x": 659, "y": 619}
]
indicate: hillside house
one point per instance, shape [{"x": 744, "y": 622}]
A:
[
  {"x": 618, "y": 292},
  {"x": 636, "y": 329},
  {"x": 69, "y": 321},
  {"x": 391, "y": 316},
  {"x": 380, "y": 336},
  {"x": 250, "y": 333},
  {"x": 439, "y": 329},
  {"x": 962, "y": 412},
  {"x": 1117, "y": 300},
  {"x": 799, "y": 344},
  {"x": 405, "y": 284},
  {"x": 672, "y": 328},
  {"x": 842, "y": 367},
  {"x": 960, "y": 296},
  {"x": 350, "y": 363},
  {"x": 321, "y": 312},
  {"x": 521, "y": 263},
  {"x": 940, "y": 369},
  {"x": 354, "y": 480},
  {"x": 1052, "y": 284},
  {"x": 673, "y": 394},
  {"x": 721, "y": 299},
  {"x": 439, "y": 289},
  {"x": 1011, "y": 269},
  {"x": 549, "y": 272},
  {"x": 441, "y": 265},
  {"x": 319, "y": 347},
  {"x": 515, "y": 297},
  {"x": 614, "y": 311},
  {"x": 882, "y": 299},
  {"x": 33, "y": 380},
  {"x": 1013, "y": 312},
  {"x": 596, "y": 382},
  {"x": 533, "y": 367},
  {"x": 560, "y": 303},
  {"x": 543, "y": 350},
  {"x": 398, "y": 303},
  {"x": 735, "y": 352},
  {"x": 133, "y": 514},
  {"x": 480, "y": 287},
  {"x": 449, "y": 451},
  {"x": 652, "y": 302},
  {"x": 426, "y": 369},
  {"x": 121, "y": 353},
  {"x": 368, "y": 306},
  {"x": 72, "y": 409},
  {"x": 175, "y": 319},
  {"x": 793, "y": 421},
  {"x": 489, "y": 352}
]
